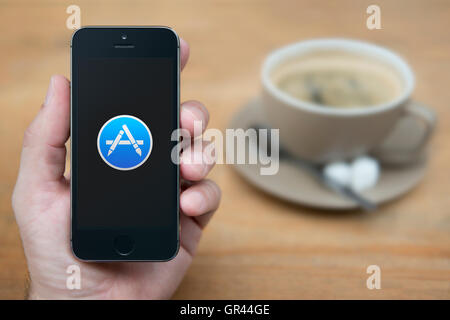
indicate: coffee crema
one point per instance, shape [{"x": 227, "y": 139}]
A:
[{"x": 338, "y": 79}]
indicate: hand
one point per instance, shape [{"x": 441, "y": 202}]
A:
[{"x": 41, "y": 202}]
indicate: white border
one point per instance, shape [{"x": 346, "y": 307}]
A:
[{"x": 140, "y": 163}]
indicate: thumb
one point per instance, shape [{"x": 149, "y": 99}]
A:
[{"x": 44, "y": 153}]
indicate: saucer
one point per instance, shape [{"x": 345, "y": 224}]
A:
[{"x": 294, "y": 184}]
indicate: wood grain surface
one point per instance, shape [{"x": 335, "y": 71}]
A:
[{"x": 256, "y": 246}]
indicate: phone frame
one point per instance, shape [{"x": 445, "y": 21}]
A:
[{"x": 87, "y": 237}]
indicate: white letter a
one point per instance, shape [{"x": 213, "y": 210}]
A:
[
  {"x": 374, "y": 20},
  {"x": 74, "y": 280},
  {"x": 73, "y": 22},
  {"x": 374, "y": 281}
]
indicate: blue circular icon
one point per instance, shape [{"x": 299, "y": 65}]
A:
[{"x": 124, "y": 142}]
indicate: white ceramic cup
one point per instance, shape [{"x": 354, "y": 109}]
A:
[{"x": 323, "y": 134}]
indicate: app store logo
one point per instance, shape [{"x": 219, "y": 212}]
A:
[{"x": 124, "y": 142}]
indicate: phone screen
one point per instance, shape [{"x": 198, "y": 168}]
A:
[
  {"x": 113, "y": 196},
  {"x": 125, "y": 112}
]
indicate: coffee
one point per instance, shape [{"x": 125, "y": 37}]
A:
[{"x": 338, "y": 79}]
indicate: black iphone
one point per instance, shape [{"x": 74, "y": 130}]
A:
[{"x": 124, "y": 109}]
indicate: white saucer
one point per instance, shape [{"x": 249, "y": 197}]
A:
[{"x": 295, "y": 185}]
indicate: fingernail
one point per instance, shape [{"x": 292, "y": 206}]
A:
[
  {"x": 197, "y": 114},
  {"x": 197, "y": 201},
  {"x": 50, "y": 92}
]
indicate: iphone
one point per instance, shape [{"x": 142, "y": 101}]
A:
[{"x": 124, "y": 109}]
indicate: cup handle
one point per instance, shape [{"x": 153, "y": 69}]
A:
[{"x": 401, "y": 156}]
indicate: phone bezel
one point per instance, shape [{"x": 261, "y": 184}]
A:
[{"x": 97, "y": 244}]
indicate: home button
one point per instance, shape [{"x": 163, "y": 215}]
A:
[{"x": 124, "y": 245}]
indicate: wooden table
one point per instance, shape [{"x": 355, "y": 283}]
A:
[{"x": 257, "y": 246}]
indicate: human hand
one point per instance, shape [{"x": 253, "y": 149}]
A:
[{"x": 41, "y": 203}]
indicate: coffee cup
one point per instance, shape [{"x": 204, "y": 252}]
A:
[{"x": 336, "y": 99}]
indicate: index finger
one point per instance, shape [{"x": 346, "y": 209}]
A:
[{"x": 184, "y": 52}]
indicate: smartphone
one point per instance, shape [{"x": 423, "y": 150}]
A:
[{"x": 124, "y": 110}]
